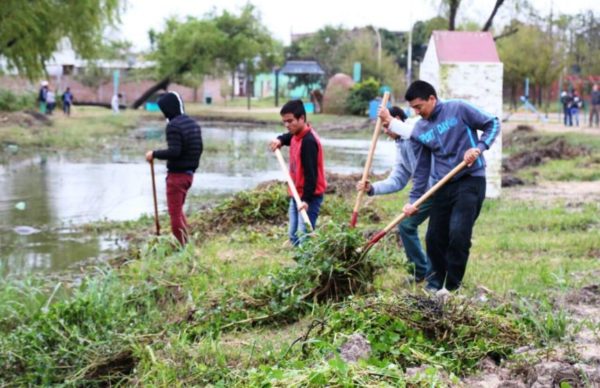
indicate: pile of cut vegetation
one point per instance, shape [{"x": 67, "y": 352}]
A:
[
  {"x": 267, "y": 204},
  {"x": 417, "y": 329},
  {"x": 328, "y": 267}
]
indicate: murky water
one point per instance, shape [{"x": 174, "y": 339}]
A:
[{"x": 43, "y": 199}]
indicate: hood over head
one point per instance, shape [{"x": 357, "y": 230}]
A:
[{"x": 171, "y": 105}]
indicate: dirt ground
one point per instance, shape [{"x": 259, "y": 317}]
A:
[
  {"x": 546, "y": 192},
  {"x": 576, "y": 362}
]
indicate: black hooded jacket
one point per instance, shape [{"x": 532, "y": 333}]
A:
[{"x": 184, "y": 136}]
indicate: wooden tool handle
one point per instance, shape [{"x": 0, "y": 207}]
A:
[
  {"x": 369, "y": 162},
  {"x": 292, "y": 186},
  {"x": 417, "y": 203},
  {"x": 156, "y": 223}
]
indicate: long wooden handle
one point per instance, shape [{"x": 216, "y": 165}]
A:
[
  {"x": 157, "y": 224},
  {"x": 367, "y": 169},
  {"x": 292, "y": 186},
  {"x": 418, "y": 202}
]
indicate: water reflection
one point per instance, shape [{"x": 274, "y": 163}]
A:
[{"x": 59, "y": 191}]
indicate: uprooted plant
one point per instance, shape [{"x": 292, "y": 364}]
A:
[{"x": 329, "y": 267}]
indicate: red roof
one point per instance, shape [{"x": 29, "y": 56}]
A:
[{"x": 465, "y": 46}]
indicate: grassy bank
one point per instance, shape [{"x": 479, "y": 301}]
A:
[
  {"x": 165, "y": 317},
  {"x": 238, "y": 306}
]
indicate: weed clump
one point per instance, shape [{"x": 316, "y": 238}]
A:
[
  {"x": 328, "y": 268},
  {"x": 264, "y": 205},
  {"x": 412, "y": 329}
]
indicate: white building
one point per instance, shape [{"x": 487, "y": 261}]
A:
[{"x": 465, "y": 65}]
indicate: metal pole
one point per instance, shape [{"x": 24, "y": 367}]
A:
[
  {"x": 277, "y": 87},
  {"x": 409, "y": 58}
]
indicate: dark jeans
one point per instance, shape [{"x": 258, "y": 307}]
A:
[
  {"x": 567, "y": 117},
  {"x": 178, "y": 184},
  {"x": 455, "y": 208}
]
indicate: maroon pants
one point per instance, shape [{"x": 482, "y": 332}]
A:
[{"x": 178, "y": 185}]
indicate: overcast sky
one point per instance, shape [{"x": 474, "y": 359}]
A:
[{"x": 283, "y": 17}]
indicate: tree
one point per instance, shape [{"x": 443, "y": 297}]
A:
[
  {"x": 31, "y": 31},
  {"x": 364, "y": 51},
  {"x": 247, "y": 41},
  {"x": 329, "y": 45},
  {"x": 541, "y": 69},
  {"x": 184, "y": 49},
  {"x": 187, "y": 51}
]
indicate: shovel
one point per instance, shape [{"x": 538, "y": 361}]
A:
[
  {"x": 155, "y": 202},
  {"x": 367, "y": 169},
  {"x": 290, "y": 182},
  {"x": 417, "y": 203}
]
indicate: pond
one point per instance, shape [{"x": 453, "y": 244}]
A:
[{"x": 43, "y": 199}]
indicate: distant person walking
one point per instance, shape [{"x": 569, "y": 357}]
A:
[
  {"x": 42, "y": 94},
  {"x": 114, "y": 103},
  {"x": 67, "y": 101},
  {"x": 576, "y": 105},
  {"x": 595, "y": 107},
  {"x": 50, "y": 101},
  {"x": 566, "y": 99}
]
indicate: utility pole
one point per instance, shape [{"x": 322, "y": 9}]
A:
[
  {"x": 409, "y": 54},
  {"x": 378, "y": 47}
]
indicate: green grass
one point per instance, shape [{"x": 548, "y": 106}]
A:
[{"x": 142, "y": 313}]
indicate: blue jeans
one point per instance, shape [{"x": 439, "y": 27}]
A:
[
  {"x": 297, "y": 226},
  {"x": 455, "y": 208},
  {"x": 409, "y": 234}
]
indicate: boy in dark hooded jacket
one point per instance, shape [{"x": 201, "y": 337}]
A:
[{"x": 184, "y": 140}]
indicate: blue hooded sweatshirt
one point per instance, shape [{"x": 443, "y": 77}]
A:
[{"x": 446, "y": 135}]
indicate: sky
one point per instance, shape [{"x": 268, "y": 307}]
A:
[{"x": 283, "y": 17}]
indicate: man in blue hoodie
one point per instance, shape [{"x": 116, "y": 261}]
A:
[{"x": 448, "y": 133}]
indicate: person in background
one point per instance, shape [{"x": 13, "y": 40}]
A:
[
  {"x": 565, "y": 100},
  {"x": 396, "y": 127},
  {"x": 307, "y": 167},
  {"x": 576, "y": 105},
  {"x": 184, "y": 141},
  {"x": 50, "y": 101},
  {"x": 67, "y": 101},
  {"x": 43, "y": 92},
  {"x": 114, "y": 103}
]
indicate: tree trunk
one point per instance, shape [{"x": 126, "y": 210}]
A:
[
  {"x": 161, "y": 85},
  {"x": 513, "y": 96},
  {"x": 452, "y": 14},
  {"x": 232, "y": 84},
  {"x": 488, "y": 23}
]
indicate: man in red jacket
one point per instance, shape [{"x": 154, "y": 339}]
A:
[{"x": 306, "y": 166}]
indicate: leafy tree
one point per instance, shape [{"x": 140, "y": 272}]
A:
[
  {"x": 247, "y": 41},
  {"x": 184, "y": 49},
  {"x": 187, "y": 51},
  {"x": 519, "y": 63},
  {"x": 364, "y": 51},
  {"x": 30, "y": 31},
  {"x": 329, "y": 46}
]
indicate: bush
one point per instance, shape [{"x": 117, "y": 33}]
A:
[
  {"x": 360, "y": 95},
  {"x": 11, "y": 102}
]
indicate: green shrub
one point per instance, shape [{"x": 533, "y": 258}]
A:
[
  {"x": 360, "y": 95},
  {"x": 11, "y": 102}
]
